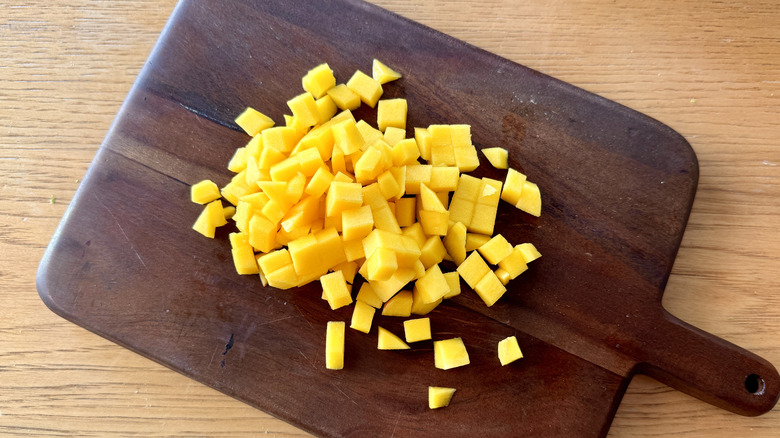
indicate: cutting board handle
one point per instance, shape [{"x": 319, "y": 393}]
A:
[{"x": 709, "y": 368}]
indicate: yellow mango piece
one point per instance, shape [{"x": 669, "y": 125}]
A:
[
  {"x": 484, "y": 219},
  {"x": 417, "y": 174},
  {"x": 304, "y": 109},
  {"x": 434, "y": 223},
  {"x": 381, "y": 264},
  {"x": 399, "y": 305},
  {"x": 503, "y": 276},
  {"x": 474, "y": 241},
  {"x": 362, "y": 317},
  {"x": 254, "y": 146},
  {"x": 388, "y": 341},
  {"x": 268, "y": 157},
  {"x": 514, "y": 264},
  {"x": 384, "y": 219},
  {"x": 455, "y": 242},
  {"x": 419, "y": 306},
  {"x": 274, "y": 260},
  {"x": 369, "y": 133},
  {"x": 498, "y": 157},
  {"x": 391, "y": 112},
  {"x": 453, "y": 281},
  {"x": 336, "y": 290},
  {"x": 262, "y": 233},
  {"x": 284, "y": 278},
  {"x": 210, "y": 218},
  {"x": 369, "y": 166},
  {"x": 238, "y": 162},
  {"x": 416, "y": 330},
  {"x": 450, "y": 353},
  {"x": 281, "y": 138},
  {"x": 530, "y": 199},
  {"x": 347, "y": 137},
  {"x": 509, "y": 350},
  {"x": 319, "y": 182},
  {"x": 319, "y": 80},
  {"x": 285, "y": 169},
  {"x": 367, "y": 295},
  {"x": 344, "y": 97},
  {"x": 432, "y": 252},
  {"x": 356, "y": 223},
  {"x": 315, "y": 253},
  {"x": 338, "y": 162},
  {"x": 496, "y": 249},
  {"x": 429, "y": 200},
  {"x": 442, "y": 155},
  {"x": 405, "y": 152},
  {"x": 204, "y": 192},
  {"x": 349, "y": 269},
  {"x": 415, "y": 231},
  {"x": 353, "y": 249},
  {"x": 388, "y": 185},
  {"x": 513, "y": 186},
  {"x": 423, "y": 139},
  {"x": 343, "y": 196},
  {"x": 366, "y": 87},
  {"x": 490, "y": 288},
  {"x": 326, "y": 109},
  {"x": 334, "y": 345},
  {"x": 529, "y": 252},
  {"x": 399, "y": 173},
  {"x": 229, "y": 211},
  {"x": 387, "y": 288},
  {"x": 439, "y": 397},
  {"x": 309, "y": 161},
  {"x": 382, "y": 73},
  {"x": 395, "y": 135},
  {"x": 253, "y": 121},
  {"x": 432, "y": 286},
  {"x": 405, "y": 209},
  {"x": 243, "y": 255},
  {"x": 444, "y": 179},
  {"x": 473, "y": 269},
  {"x": 299, "y": 124}
]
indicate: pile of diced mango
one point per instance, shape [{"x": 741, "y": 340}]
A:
[{"x": 326, "y": 197}]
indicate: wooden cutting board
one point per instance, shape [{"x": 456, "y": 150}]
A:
[{"x": 617, "y": 189}]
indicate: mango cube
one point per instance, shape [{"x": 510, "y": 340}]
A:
[
  {"x": 388, "y": 341},
  {"x": 381, "y": 264},
  {"x": 490, "y": 288},
  {"x": 405, "y": 152},
  {"x": 336, "y": 291},
  {"x": 453, "y": 281},
  {"x": 514, "y": 264},
  {"x": 394, "y": 135},
  {"x": 319, "y": 80},
  {"x": 417, "y": 174},
  {"x": 450, "y": 353},
  {"x": 368, "y": 296},
  {"x": 416, "y": 330},
  {"x": 399, "y": 305},
  {"x": 253, "y": 121},
  {"x": 391, "y": 113},
  {"x": 432, "y": 252},
  {"x": 405, "y": 209},
  {"x": 362, "y": 316},
  {"x": 529, "y": 252},
  {"x": 344, "y": 97},
  {"x": 366, "y": 87},
  {"x": 347, "y": 137},
  {"x": 423, "y": 139},
  {"x": 343, "y": 196},
  {"x": 356, "y": 223},
  {"x": 304, "y": 109},
  {"x": 513, "y": 186},
  {"x": 530, "y": 200},
  {"x": 210, "y": 218},
  {"x": 334, "y": 345},
  {"x": 432, "y": 285},
  {"x": 204, "y": 192},
  {"x": 434, "y": 223},
  {"x": 496, "y": 249},
  {"x": 382, "y": 73},
  {"x": 473, "y": 269},
  {"x": 326, "y": 109},
  {"x": 439, "y": 397},
  {"x": 474, "y": 241},
  {"x": 498, "y": 157},
  {"x": 503, "y": 276},
  {"x": 509, "y": 350},
  {"x": 419, "y": 306}
]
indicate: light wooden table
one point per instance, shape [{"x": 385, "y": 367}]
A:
[{"x": 710, "y": 71}]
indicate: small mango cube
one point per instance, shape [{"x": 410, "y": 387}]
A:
[
  {"x": 347, "y": 137},
  {"x": 382, "y": 73},
  {"x": 345, "y": 98},
  {"x": 319, "y": 80},
  {"x": 405, "y": 152},
  {"x": 210, "y": 218},
  {"x": 432, "y": 285},
  {"x": 530, "y": 200},
  {"x": 432, "y": 252},
  {"x": 394, "y": 135},
  {"x": 529, "y": 252},
  {"x": 498, "y": 157},
  {"x": 368, "y": 296},
  {"x": 439, "y": 397},
  {"x": 304, "y": 109},
  {"x": 455, "y": 242},
  {"x": 453, "y": 281},
  {"x": 474, "y": 241},
  {"x": 496, "y": 249},
  {"x": 419, "y": 306},
  {"x": 343, "y": 196},
  {"x": 336, "y": 290},
  {"x": 473, "y": 269},
  {"x": 405, "y": 209},
  {"x": 513, "y": 186},
  {"x": 204, "y": 192},
  {"x": 514, "y": 264},
  {"x": 416, "y": 330},
  {"x": 253, "y": 121},
  {"x": 334, "y": 345},
  {"x": 381, "y": 264},
  {"x": 366, "y": 87},
  {"x": 399, "y": 305},
  {"x": 509, "y": 350},
  {"x": 319, "y": 182},
  {"x": 490, "y": 288},
  {"x": 356, "y": 223},
  {"x": 388, "y": 341},
  {"x": 450, "y": 353},
  {"x": 391, "y": 113},
  {"x": 362, "y": 317}
]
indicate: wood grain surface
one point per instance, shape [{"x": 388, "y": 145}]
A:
[{"x": 710, "y": 71}]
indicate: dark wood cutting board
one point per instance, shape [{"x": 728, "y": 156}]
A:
[{"x": 617, "y": 189}]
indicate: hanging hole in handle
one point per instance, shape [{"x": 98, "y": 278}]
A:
[{"x": 755, "y": 384}]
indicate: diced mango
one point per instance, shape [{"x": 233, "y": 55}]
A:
[
  {"x": 513, "y": 186},
  {"x": 399, "y": 305},
  {"x": 347, "y": 137},
  {"x": 529, "y": 252},
  {"x": 389, "y": 341},
  {"x": 319, "y": 80},
  {"x": 416, "y": 330},
  {"x": 473, "y": 269},
  {"x": 417, "y": 174},
  {"x": 530, "y": 200},
  {"x": 343, "y": 196},
  {"x": 382, "y": 73},
  {"x": 405, "y": 152},
  {"x": 391, "y": 112},
  {"x": 304, "y": 109},
  {"x": 382, "y": 263},
  {"x": 439, "y": 397},
  {"x": 336, "y": 290},
  {"x": 433, "y": 285},
  {"x": 514, "y": 264},
  {"x": 455, "y": 242},
  {"x": 387, "y": 288},
  {"x": 419, "y": 306},
  {"x": 432, "y": 252},
  {"x": 204, "y": 192},
  {"x": 253, "y": 121},
  {"x": 362, "y": 316},
  {"x": 357, "y": 222},
  {"x": 503, "y": 276},
  {"x": 450, "y": 353},
  {"x": 210, "y": 218},
  {"x": 326, "y": 109},
  {"x": 344, "y": 97},
  {"x": 434, "y": 223},
  {"x": 395, "y": 135},
  {"x": 490, "y": 288},
  {"x": 453, "y": 281},
  {"x": 281, "y": 138},
  {"x": 498, "y": 157},
  {"x": 366, "y": 87},
  {"x": 334, "y": 345},
  {"x": 474, "y": 241},
  {"x": 496, "y": 249},
  {"x": 368, "y": 296},
  {"x": 274, "y": 260},
  {"x": 509, "y": 350}
]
